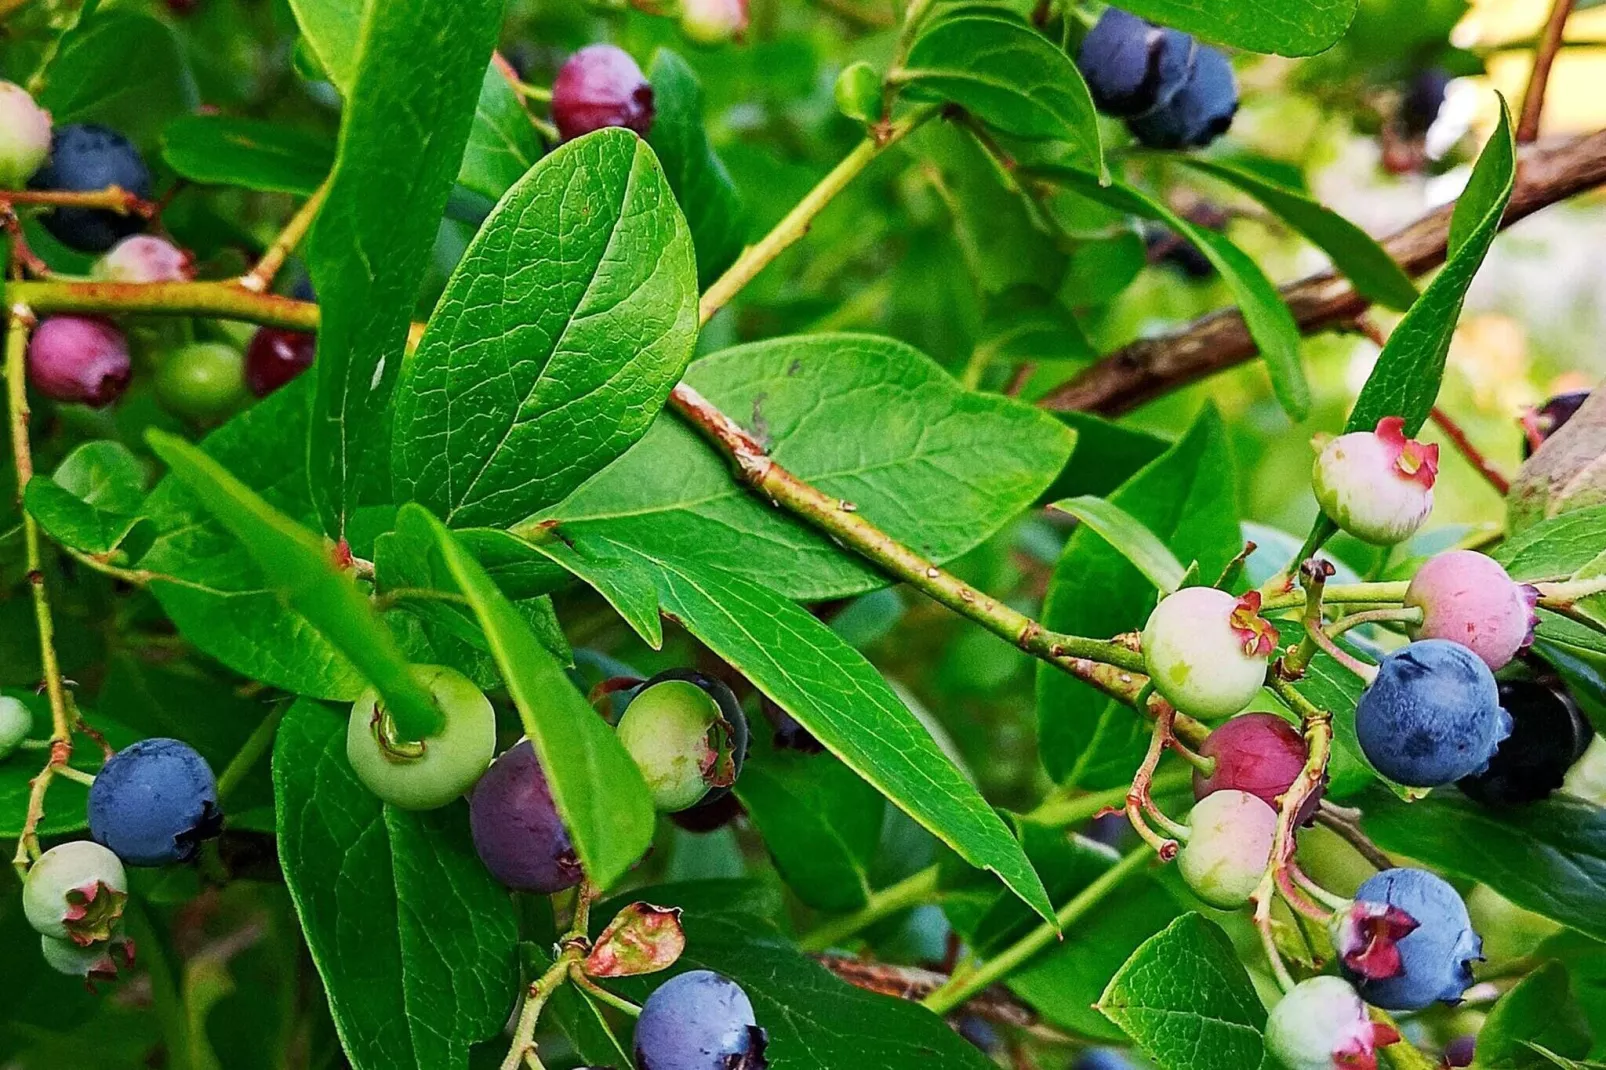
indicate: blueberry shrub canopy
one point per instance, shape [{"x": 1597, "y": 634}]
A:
[{"x": 853, "y": 534}]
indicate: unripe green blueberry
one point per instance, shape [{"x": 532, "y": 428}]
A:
[
  {"x": 1321, "y": 1024},
  {"x": 713, "y": 22},
  {"x": 15, "y": 724},
  {"x": 1377, "y": 485},
  {"x": 97, "y": 962},
  {"x": 451, "y": 761},
  {"x": 1206, "y": 651},
  {"x": 76, "y": 891},
  {"x": 1230, "y": 836},
  {"x": 24, "y": 136},
  {"x": 203, "y": 380},
  {"x": 687, "y": 735}
]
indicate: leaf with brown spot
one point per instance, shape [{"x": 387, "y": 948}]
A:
[{"x": 640, "y": 939}]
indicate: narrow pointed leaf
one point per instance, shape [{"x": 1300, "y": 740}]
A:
[{"x": 1127, "y": 534}]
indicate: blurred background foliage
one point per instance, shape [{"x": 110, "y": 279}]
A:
[{"x": 931, "y": 247}]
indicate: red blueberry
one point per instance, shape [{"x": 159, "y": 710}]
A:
[
  {"x": 76, "y": 358},
  {"x": 600, "y": 86},
  {"x": 1259, "y": 753},
  {"x": 1467, "y": 598},
  {"x": 275, "y": 356},
  {"x": 1377, "y": 485}
]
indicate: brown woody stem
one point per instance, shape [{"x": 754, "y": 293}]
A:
[{"x": 1533, "y": 99}]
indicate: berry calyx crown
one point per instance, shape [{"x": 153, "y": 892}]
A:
[
  {"x": 1258, "y": 635},
  {"x": 1415, "y": 461},
  {"x": 93, "y": 911},
  {"x": 1367, "y": 937}
]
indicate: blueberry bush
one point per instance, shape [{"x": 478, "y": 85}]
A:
[{"x": 724, "y": 534}]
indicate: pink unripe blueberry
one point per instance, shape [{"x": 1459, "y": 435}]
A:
[
  {"x": 144, "y": 258},
  {"x": 76, "y": 358},
  {"x": 1257, "y": 752},
  {"x": 24, "y": 136},
  {"x": 1377, "y": 485},
  {"x": 713, "y": 22},
  {"x": 600, "y": 86},
  {"x": 1467, "y": 598},
  {"x": 1321, "y": 1024},
  {"x": 1230, "y": 835},
  {"x": 1206, "y": 650}
]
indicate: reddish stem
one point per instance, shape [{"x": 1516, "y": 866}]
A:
[{"x": 1452, "y": 430}]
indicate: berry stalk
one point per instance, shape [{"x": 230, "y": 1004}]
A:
[
  {"x": 260, "y": 277},
  {"x": 572, "y": 951}
]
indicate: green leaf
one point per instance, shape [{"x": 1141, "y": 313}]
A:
[
  {"x": 807, "y": 670},
  {"x": 820, "y": 822},
  {"x": 1107, "y": 454},
  {"x": 414, "y": 940},
  {"x": 406, "y": 119},
  {"x": 1188, "y": 498},
  {"x": 626, "y": 586},
  {"x": 598, "y": 790},
  {"x": 333, "y": 29},
  {"x": 1129, "y": 537},
  {"x": 1286, "y": 27},
  {"x": 1187, "y": 1001},
  {"x": 1270, "y": 323},
  {"x": 1411, "y": 366},
  {"x": 813, "y": 1018},
  {"x": 65, "y": 806},
  {"x": 1548, "y": 857},
  {"x": 562, "y": 331},
  {"x": 214, "y": 592},
  {"x": 92, "y": 501},
  {"x": 300, "y": 567},
  {"x": 121, "y": 70},
  {"x": 1375, "y": 274},
  {"x": 252, "y": 154},
  {"x": 1540, "y": 1010},
  {"x": 1559, "y": 546},
  {"x": 1006, "y": 73},
  {"x": 502, "y": 143},
  {"x": 1337, "y": 690},
  {"x": 706, "y": 193},
  {"x": 868, "y": 420}
]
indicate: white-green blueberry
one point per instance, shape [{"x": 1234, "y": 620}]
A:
[
  {"x": 96, "y": 962},
  {"x": 1207, "y": 651},
  {"x": 24, "y": 136},
  {"x": 687, "y": 734},
  {"x": 76, "y": 891},
  {"x": 1321, "y": 1024},
  {"x": 15, "y": 724},
  {"x": 1377, "y": 485},
  {"x": 427, "y": 773},
  {"x": 1230, "y": 836}
]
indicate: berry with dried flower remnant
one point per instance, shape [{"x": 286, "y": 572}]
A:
[
  {"x": 1467, "y": 598},
  {"x": 76, "y": 891},
  {"x": 1321, "y": 1024},
  {"x": 1377, "y": 485},
  {"x": 1407, "y": 941},
  {"x": 600, "y": 86},
  {"x": 1207, "y": 651},
  {"x": 688, "y": 735},
  {"x": 144, "y": 258}
]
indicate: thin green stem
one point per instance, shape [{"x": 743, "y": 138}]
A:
[
  {"x": 1403, "y": 615},
  {"x": 795, "y": 225},
  {"x": 260, "y": 277},
  {"x": 1062, "y": 812},
  {"x": 912, "y": 891},
  {"x": 572, "y": 949},
  {"x": 962, "y": 986},
  {"x": 77, "y": 775},
  {"x": 602, "y": 995},
  {"x": 251, "y": 751},
  {"x": 1375, "y": 593},
  {"x": 1558, "y": 595}
]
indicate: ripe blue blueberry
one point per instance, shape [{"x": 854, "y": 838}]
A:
[
  {"x": 15, "y": 724},
  {"x": 76, "y": 891},
  {"x": 24, "y": 136},
  {"x": 1432, "y": 961},
  {"x": 1197, "y": 115},
  {"x": 599, "y": 86},
  {"x": 1206, "y": 651},
  {"x": 451, "y": 761},
  {"x": 1549, "y": 733},
  {"x": 1230, "y": 836},
  {"x": 153, "y": 802},
  {"x": 83, "y": 159},
  {"x": 1423, "y": 97},
  {"x": 687, "y": 735},
  {"x": 1377, "y": 485},
  {"x": 1103, "y": 1059},
  {"x": 516, "y": 827},
  {"x": 1432, "y": 715},
  {"x": 79, "y": 359},
  {"x": 1119, "y": 59},
  {"x": 1321, "y": 1024},
  {"x": 699, "y": 1021}
]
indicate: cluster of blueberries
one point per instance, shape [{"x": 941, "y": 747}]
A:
[
  {"x": 1172, "y": 91},
  {"x": 86, "y": 359},
  {"x": 1432, "y": 714},
  {"x": 686, "y": 732},
  {"x": 152, "y": 804}
]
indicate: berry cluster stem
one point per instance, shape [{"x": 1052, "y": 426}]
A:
[
  {"x": 112, "y": 198},
  {"x": 261, "y": 276},
  {"x": 571, "y": 950},
  {"x": 61, "y": 714}
]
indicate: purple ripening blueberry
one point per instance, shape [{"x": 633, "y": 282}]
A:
[
  {"x": 516, "y": 827},
  {"x": 699, "y": 1021},
  {"x": 79, "y": 359},
  {"x": 599, "y": 86}
]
